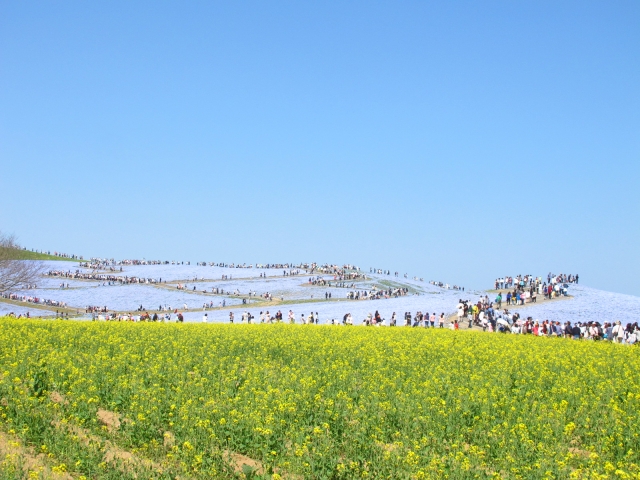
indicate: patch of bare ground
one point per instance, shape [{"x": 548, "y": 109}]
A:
[
  {"x": 57, "y": 397},
  {"x": 387, "y": 447},
  {"x": 244, "y": 466},
  {"x": 116, "y": 457},
  {"x": 12, "y": 449},
  {"x": 240, "y": 463},
  {"x": 578, "y": 452},
  {"x": 169, "y": 440},
  {"x": 126, "y": 461},
  {"x": 109, "y": 419}
]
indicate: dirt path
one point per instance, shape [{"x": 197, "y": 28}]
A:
[{"x": 15, "y": 456}]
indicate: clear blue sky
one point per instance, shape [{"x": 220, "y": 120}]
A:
[{"x": 458, "y": 141}]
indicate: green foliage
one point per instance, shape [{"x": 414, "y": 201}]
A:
[
  {"x": 321, "y": 402},
  {"x": 20, "y": 254}
]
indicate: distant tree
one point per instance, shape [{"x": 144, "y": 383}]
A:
[{"x": 15, "y": 272}]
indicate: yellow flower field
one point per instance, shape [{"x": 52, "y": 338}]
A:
[{"x": 147, "y": 400}]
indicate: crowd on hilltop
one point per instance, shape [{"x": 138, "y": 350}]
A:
[
  {"x": 525, "y": 288},
  {"x": 57, "y": 254},
  {"x": 341, "y": 271},
  {"x": 66, "y": 255},
  {"x": 339, "y": 279},
  {"x": 525, "y": 281},
  {"x": 96, "y": 263},
  {"x": 103, "y": 263}
]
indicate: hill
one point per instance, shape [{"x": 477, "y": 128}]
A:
[{"x": 29, "y": 255}]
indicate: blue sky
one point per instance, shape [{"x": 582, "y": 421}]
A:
[{"x": 458, "y": 141}]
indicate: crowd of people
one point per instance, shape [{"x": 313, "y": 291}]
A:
[
  {"x": 481, "y": 314},
  {"x": 484, "y": 314},
  {"x": 609, "y": 331},
  {"x": 95, "y": 263},
  {"x": 32, "y": 299},
  {"x": 523, "y": 282},
  {"x": 378, "y": 294},
  {"x": 372, "y": 319},
  {"x": 446, "y": 286},
  {"x": 137, "y": 317},
  {"x": 70, "y": 256},
  {"x": 525, "y": 288},
  {"x": 102, "y": 277},
  {"x": 266, "y": 317},
  {"x": 95, "y": 309},
  {"x": 339, "y": 280}
]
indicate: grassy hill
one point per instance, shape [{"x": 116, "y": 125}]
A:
[{"x": 29, "y": 255}]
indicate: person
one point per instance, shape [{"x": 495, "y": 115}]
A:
[
  {"x": 230, "y": 317},
  {"x": 632, "y": 337},
  {"x": 576, "y": 332},
  {"x": 205, "y": 318},
  {"x": 618, "y": 332},
  {"x": 442, "y": 320},
  {"x": 608, "y": 331},
  {"x": 432, "y": 319},
  {"x": 593, "y": 331}
]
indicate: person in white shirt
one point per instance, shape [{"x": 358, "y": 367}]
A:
[
  {"x": 618, "y": 332},
  {"x": 460, "y": 311}
]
